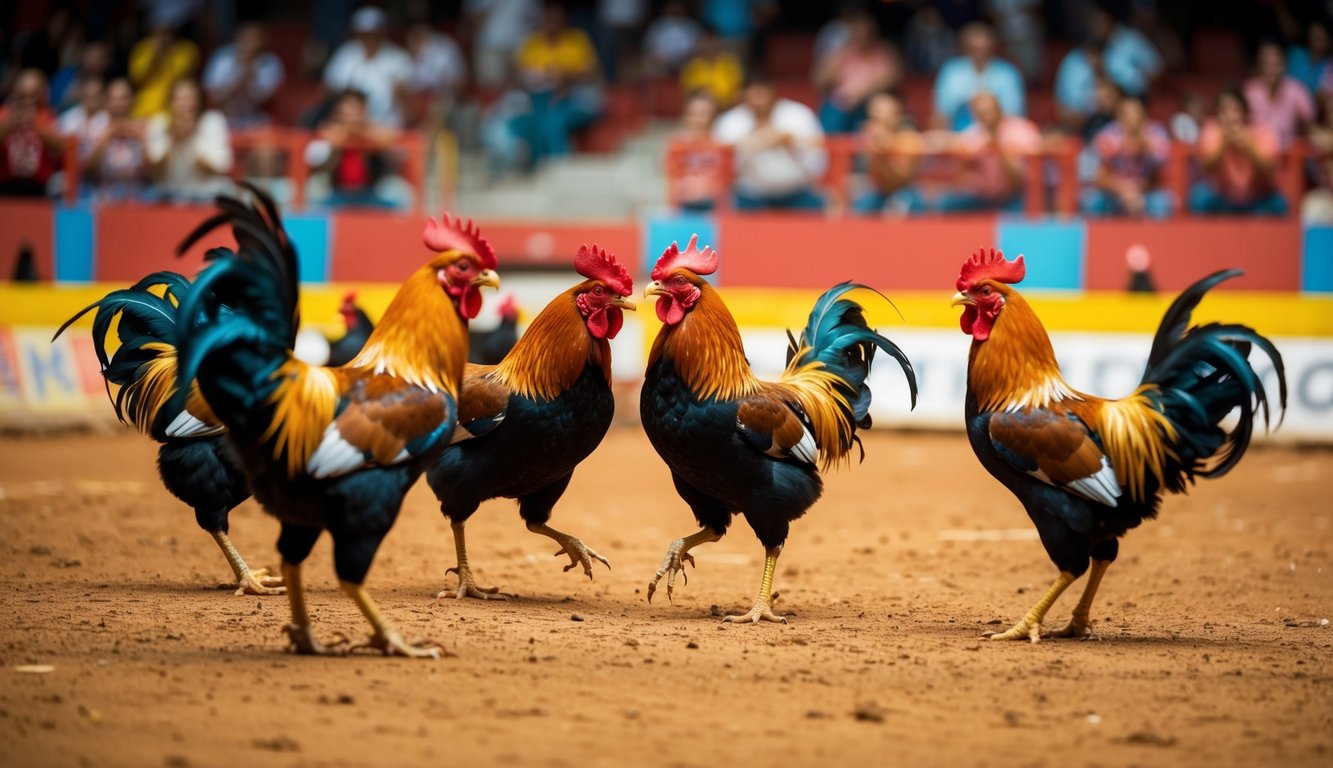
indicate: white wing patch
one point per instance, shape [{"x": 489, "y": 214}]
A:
[
  {"x": 805, "y": 449},
  {"x": 1101, "y": 487},
  {"x": 186, "y": 425},
  {"x": 334, "y": 456}
]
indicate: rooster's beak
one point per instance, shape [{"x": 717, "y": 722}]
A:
[
  {"x": 962, "y": 299},
  {"x": 654, "y": 289},
  {"x": 487, "y": 278},
  {"x": 624, "y": 303}
]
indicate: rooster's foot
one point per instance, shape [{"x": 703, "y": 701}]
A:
[
  {"x": 393, "y": 644},
  {"x": 580, "y": 554},
  {"x": 1023, "y": 630},
  {"x": 256, "y": 582},
  {"x": 468, "y": 588},
  {"x": 303, "y": 642},
  {"x": 672, "y": 564},
  {"x": 1076, "y": 629},
  {"x": 760, "y": 612}
]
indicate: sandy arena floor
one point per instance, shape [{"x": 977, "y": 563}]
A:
[{"x": 1215, "y": 651}]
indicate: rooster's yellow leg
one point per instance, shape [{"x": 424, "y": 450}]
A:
[
  {"x": 466, "y": 586},
  {"x": 248, "y": 582},
  {"x": 579, "y": 553},
  {"x": 1080, "y": 623},
  {"x": 299, "y": 631},
  {"x": 385, "y": 638},
  {"x": 1030, "y": 626},
  {"x": 763, "y": 604},
  {"x": 678, "y": 554}
]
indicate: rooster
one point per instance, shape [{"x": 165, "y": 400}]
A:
[
  {"x": 141, "y": 382},
  {"x": 490, "y": 347},
  {"x": 358, "y": 326},
  {"x": 330, "y": 448},
  {"x": 734, "y": 443},
  {"x": 526, "y": 423},
  {"x": 1087, "y": 469}
]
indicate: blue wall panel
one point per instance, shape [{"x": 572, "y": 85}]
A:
[
  {"x": 661, "y": 231},
  {"x": 1053, "y": 250},
  {"x": 310, "y": 233},
  {"x": 74, "y": 245},
  {"x": 1317, "y": 260}
]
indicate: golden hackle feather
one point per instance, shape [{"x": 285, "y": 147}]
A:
[
  {"x": 818, "y": 391},
  {"x": 420, "y": 339},
  {"x": 552, "y": 352},
  {"x": 706, "y": 350},
  {"x": 156, "y": 385},
  {"x": 304, "y": 405},
  {"x": 1016, "y": 368}
]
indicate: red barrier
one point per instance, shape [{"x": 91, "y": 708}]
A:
[
  {"x": 31, "y": 222},
  {"x": 1183, "y": 250},
  {"x": 133, "y": 240}
]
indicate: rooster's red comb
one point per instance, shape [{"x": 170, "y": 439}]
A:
[
  {"x": 598, "y": 264},
  {"x": 349, "y": 298},
  {"x": 990, "y": 266},
  {"x": 459, "y": 234},
  {"x": 699, "y": 262}
]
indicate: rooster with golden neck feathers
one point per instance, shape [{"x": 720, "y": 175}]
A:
[{"x": 331, "y": 449}]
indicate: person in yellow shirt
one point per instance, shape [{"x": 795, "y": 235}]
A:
[
  {"x": 156, "y": 63},
  {"x": 558, "y": 67},
  {"x": 714, "y": 71}
]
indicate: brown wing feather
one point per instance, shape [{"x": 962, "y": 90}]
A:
[
  {"x": 768, "y": 413},
  {"x": 383, "y": 414},
  {"x": 482, "y": 396},
  {"x": 1061, "y": 447}
]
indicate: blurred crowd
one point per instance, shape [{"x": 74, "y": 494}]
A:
[{"x": 945, "y": 102}]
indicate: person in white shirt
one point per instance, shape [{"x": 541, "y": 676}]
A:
[
  {"x": 242, "y": 77},
  {"x": 501, "y": 27},
  {"x": 779, "y": 150},
  {"x": 372, "y": 65},
  {"x": 671, "y": 38},
  {"x": 438, "y": 73},
  {"x": 189, "y": 150}
]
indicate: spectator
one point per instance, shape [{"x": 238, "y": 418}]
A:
[
  {"x": 1129, "y": 59},
  {"x": 354, "y": 153},
  {"x": 713, "y": 70},
  {"x": 1020, "y": 27},
  {"x": 738, "y": 23},
  {"x": 893, "y": 151},
  {"x": 700, "y": 178},
  {"x": 1106, "y": 100},
  {"x": 90, "y": 92},
  {"x": 501, "y": 27},
  {"x": 671, "y": 38},
  {"x": 836, "y": 31},
  {"x": 30, "y": 142},
  {"x": 1239, "y": 159},
  {"x": 993, "y": 150},
  {"x": 930, "y": 42},
  {"x": 242, "y": 77},
  {"x": 779, "y": 150},
  {"x": 558, "y": 68},
  {"x": 859, "y": 68},
  {"x": 156, "y": 63},
  {"x": 1076, "y": 85},
  {"x": 1313, "y": 61},
  {"x": 114, "y": 159},
  {"x": 1317, "y": 207},
  {"x": 372, "y": 65},
  {"x": 189, "y": 149},
  {"x": 976, "y": 70},
  {"x": 1132, "y": 151},
  {"x": 503, "y": 131},
  {"x": 1276, "y": 99},
  {"x": 94, "y": 62},
  {"x": 439, "y": 72},
  {"x": 619, "y": 31}
]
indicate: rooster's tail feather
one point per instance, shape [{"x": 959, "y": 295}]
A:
[
  {"x": 1197, "y": 376},
  {"x": 833, "y": 356},
  {"x": 134, "y": 336}
]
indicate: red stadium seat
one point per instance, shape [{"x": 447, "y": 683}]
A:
[
  {"x": 1219, "y": 53},
  {"x": 789, "y": 55}
]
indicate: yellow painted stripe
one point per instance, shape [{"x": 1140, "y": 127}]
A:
[{"x": 1274, "y": 314}]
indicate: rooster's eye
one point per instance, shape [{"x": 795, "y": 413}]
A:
[
  {"x": 598, "y": 290},
  {"x": 985, "y": 290}
]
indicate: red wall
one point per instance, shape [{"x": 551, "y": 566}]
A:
[
  {"x": 373, "y": 247},
  {"x": 33, "y": 221},
  {"x": 804, "y": 252},
  {"x": 134, "y": 240},
  {"x": 1186, "y": 249}
]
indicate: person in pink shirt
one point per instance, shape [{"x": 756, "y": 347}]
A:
[
  {"x": 1131, "y": 152},
  {"x": 1276, "y": 99},
  {"x": 993, "y": 151},
  {"x": 1239, "y": 159},
  {"x": 863, "y": 66}
]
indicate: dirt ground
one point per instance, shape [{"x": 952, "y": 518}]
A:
[{"x": 1215, "y": 641}]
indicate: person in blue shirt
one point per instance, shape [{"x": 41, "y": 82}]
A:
[
  {"x": 977, "y": 69},
  {"x": 1312, "y": 62},
  {"x": 1129, "y": 59}
]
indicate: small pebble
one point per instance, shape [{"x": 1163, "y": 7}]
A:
[{"x": 575, "y": 617}]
